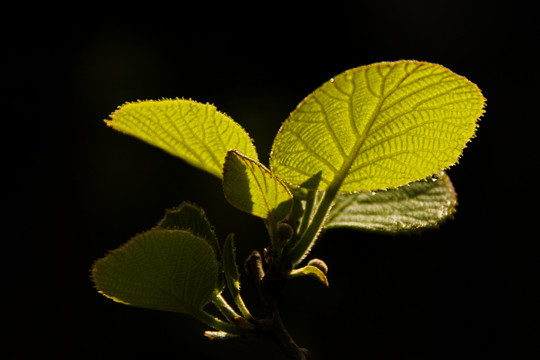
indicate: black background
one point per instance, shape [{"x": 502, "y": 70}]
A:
[{"x": 76, "y": 189}]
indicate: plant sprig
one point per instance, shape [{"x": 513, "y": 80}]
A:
[{"x": 365, "y": 150}]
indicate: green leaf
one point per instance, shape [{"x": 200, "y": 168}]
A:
[
  {"x": 170, "y": 270},
  {"x": 422, "y": 204},
  {"x": 378, "y": 126},
  {"x": 191, "y": 217},
  {"x": 195, "y": 132},
  {"x": 251, "y": 187}
]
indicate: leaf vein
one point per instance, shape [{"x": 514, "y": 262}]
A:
[
  {"x": 413, "y": 109},
  {"x": 368, "y": 84},
  {"x": 338, "y": 88},
  {"x": 326, "y": 122},
  {"x": 202, "y": 141},
  {"x": 179, "y": 133},
  {"x": 398, "y": 134},
  {"x": 317, "y": 155},
  {"x": 164, "y": 137},
  {"x": 418, "y": 90}
]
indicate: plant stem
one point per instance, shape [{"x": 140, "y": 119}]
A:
[
  {"x": 282, "y": 337},
  {"x": 307, "y": 211},
  {"x": 306, "y": 242},
  {"x": 225, "y": 308},
  {"x": 272, "y": 226},
  {"x": 243, "y": 309},
  {"x": 271, "y": 326},
  {"x": 217, "y": 324}
]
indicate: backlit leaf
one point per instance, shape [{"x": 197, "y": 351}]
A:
[
  {"x": 191, "y": 217},
  {"x": 171, "y": 270},
  {"x": 251, "y": 187},
  {"x": 195, "y": 132},
  {"x": 378, "y": 126},
  {"x": 422, "y": 204}
]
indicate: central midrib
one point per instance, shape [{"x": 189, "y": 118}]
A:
[
  {"x": 341, "y": 174},
  {"x": 302, "y": 247}
]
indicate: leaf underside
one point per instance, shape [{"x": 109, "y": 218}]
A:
[
  {"x": 195, "y": 132},
  {"x": 170, "y": 270},
  {"x": 378, "y": 126},
  {"x": 421, "y": 204}
]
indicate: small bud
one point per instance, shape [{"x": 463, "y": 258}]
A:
[
  {"x": 285, "y": 231},
  {"x": 267, "y": 255},
  {"x": 321, "y": 265}
]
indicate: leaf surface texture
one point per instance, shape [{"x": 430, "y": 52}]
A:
[
  {"x": 421, "y": 204},
  {"x": 252, "y": 188},
  {"x": 170, "y": 270},
  {"x": 378, "y": 126},
  {"x": 195, "y": 132}
]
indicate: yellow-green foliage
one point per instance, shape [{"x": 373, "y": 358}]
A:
[{"x": 378, "y": 126}]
